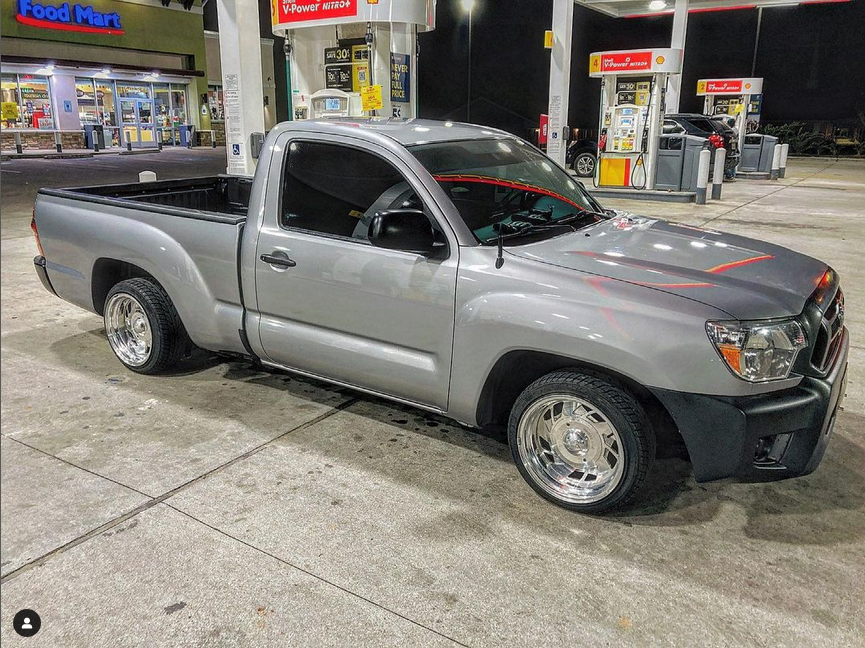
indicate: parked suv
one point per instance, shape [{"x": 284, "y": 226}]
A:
[
  {"x": 715, "y": 130},
  {"x": 582, "y": 156}
]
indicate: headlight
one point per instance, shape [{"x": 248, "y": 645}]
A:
[{"x": 758, "y": 351}]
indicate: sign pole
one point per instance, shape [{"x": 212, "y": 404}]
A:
[{"x": 469, "y": 71}]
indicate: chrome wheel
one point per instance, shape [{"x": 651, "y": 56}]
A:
[
  {"x": 128, "y": 329},
  {"x": 585, "y": 165},
  {"x": 570, "y": 448}
]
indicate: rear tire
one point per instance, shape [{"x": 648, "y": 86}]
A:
[
  {"x": 143, "y": 327},
  {"x": 581, "y": 441},
  {"x": 584, "y": 165}
]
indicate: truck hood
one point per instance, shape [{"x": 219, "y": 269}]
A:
[{"x": 746, "y": 278}]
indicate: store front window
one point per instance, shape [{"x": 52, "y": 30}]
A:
[
  {"x": 133, "y": 90},
  {"x": 162, "y": 108},
  {"x": 105, "y": 99},
  {"x": 88, "y": 111},
  {"x": 178, "y": 107},
  {"x": 26, "y": 101},
  {"x": 215, "y": 103}
]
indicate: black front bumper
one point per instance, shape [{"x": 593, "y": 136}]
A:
[
  {"x": 41, "y": 270},
  {"x": 732, "y": 436}
]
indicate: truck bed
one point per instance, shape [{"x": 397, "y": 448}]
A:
[
  {"x": 221, "y": 198},
  {"x": 184, "y": 233}
]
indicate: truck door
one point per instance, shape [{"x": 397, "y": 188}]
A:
[{"x": 330, "y": 302}]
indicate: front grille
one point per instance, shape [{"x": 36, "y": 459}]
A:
[{"x": 828, "y": 339}]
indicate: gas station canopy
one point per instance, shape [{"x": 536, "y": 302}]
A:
[{"x": 645, "y": 8}]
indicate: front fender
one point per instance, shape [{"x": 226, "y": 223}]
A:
[{"x": 653, "y": 338}]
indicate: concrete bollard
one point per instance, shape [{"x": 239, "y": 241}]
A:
[
  {"x": 19, "y": 147},
  {"x": 147, "y": 176},
  {"x": 718, "y": 172},
  {"x": 776, "y": 162},
  {"x": 782, "y": 166},
  {"x": 58, "y": 142},
  {"x": 703, "y": 176}
]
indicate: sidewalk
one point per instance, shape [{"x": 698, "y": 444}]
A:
[{"x": 42, "y": 154}]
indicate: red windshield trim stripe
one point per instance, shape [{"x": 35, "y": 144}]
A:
[{"x": 505, "y": 183}]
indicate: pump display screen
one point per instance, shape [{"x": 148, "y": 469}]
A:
[{"x": 331, "y": 104}]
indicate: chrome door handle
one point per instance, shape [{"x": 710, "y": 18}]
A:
[{"x": 282, "y": 261}]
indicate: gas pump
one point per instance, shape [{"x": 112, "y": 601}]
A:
[
  {"x": 741, "y": 99},
  {"x": 339, "y": 47},
  {"x": 633, "y": 86},
  {"x": 335, "y": 103}
]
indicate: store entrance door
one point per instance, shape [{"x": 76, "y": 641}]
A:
[{"x": 137, "y": 116}]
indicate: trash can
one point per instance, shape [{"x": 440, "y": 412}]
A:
[
  {"x": 678, "y": 161},
  {"x": 94, "y": 134},
  {"x": 757, "y": 153},
  {"x": 187, "y": 134}
]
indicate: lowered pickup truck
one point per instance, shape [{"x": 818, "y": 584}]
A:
[{"x": 458, "y": 269}]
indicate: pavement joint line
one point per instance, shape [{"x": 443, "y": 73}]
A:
[
  {"x": 771, "y": 193},
  {"x": 69, "y": 463},
  {"x": 15, "y": 238},
  {"x": 317, "y": 577},
  {"x": 41, "y": 560}
]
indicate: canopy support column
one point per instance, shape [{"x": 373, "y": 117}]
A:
[
  {"x": 560, "y": 78},
  {"x": 240, "y": 56},
  {"x": 680, "y": 31}
]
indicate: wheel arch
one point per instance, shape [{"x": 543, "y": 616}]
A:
[
  {"x": 517, "y": 369},
  {"x": 107, "y": 273}
]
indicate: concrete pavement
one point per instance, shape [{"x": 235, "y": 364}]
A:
[{"x": 225, "y": 506}]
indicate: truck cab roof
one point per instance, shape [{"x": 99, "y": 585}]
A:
[{"x": 405, "y": 131}]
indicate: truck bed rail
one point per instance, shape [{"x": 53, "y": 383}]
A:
[{"x": 222, "y": 198}]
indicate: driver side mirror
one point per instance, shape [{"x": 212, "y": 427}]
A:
[{"x": 405, "y": 229}]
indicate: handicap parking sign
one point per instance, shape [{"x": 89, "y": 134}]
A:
[{"x": 235, "y": 149}]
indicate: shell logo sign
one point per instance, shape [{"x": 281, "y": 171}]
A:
[
  {"x": 748, "y": 86},
  {"x": 632, "y": 62},
  {"x": 295, "y": 11}
]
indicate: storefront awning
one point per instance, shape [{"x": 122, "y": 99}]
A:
[{"x": 89, "y": 65}]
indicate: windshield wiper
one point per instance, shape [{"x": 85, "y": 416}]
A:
[{"x": 529, "y": 227}]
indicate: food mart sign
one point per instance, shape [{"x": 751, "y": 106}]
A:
[{"x": 68, "y": 17}]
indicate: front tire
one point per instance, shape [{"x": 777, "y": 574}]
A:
[
  {"x": 143, "y": 327},
  {"x": 581, "y": 441}
]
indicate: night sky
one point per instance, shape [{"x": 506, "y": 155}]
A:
[{"x": 812, "y": 59}]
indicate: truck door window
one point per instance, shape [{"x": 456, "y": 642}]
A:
[{"x": 336, "y": 190}]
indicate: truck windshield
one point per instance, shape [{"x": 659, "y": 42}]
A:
[{"x": 495, "y": 182}]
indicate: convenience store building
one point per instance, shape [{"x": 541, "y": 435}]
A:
[{"x": 136, "y": 68}]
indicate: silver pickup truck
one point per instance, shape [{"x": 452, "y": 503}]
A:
[{"x": 458, "y": 269}]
